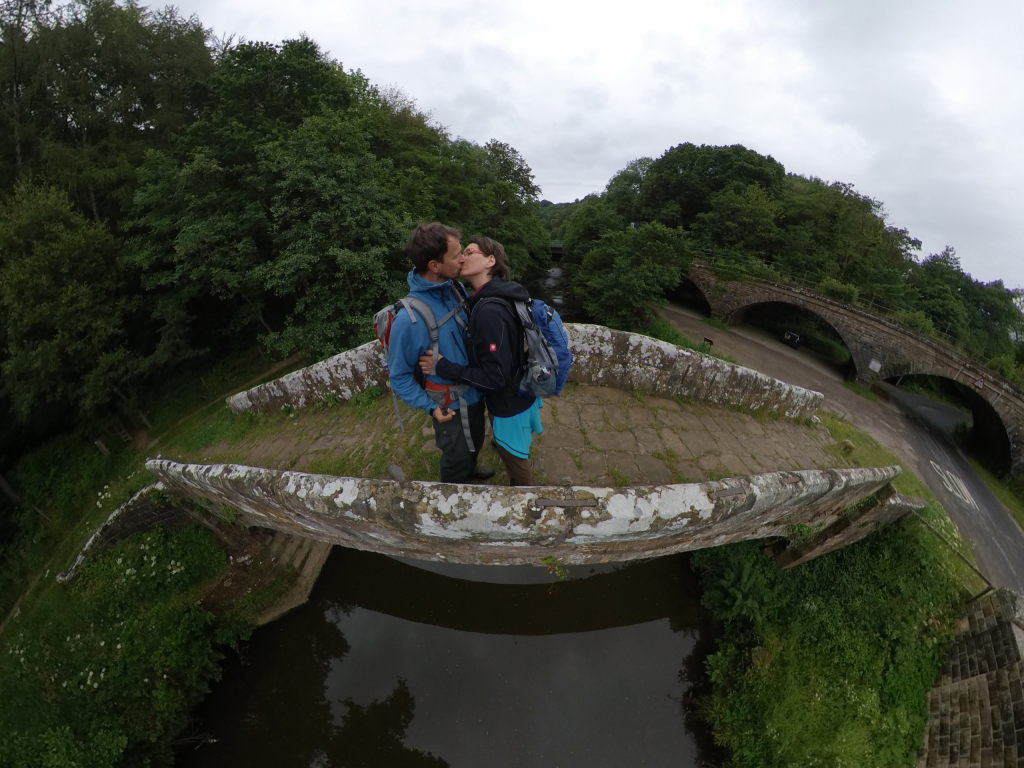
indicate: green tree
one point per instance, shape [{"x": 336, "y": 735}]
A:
[
  {"x": 489, "y": 190},
  {"x": 24, "y": 72},
  {"x": 118, "y": 79},
  {"x": 623, "y": 191},
  {"x": 64, "y": 306},
  {"x": 993, "y": 319},
  {"x": 628, "y": 272},
  {"x": 682, "y": 183},
  {"x": 336, "y": 222},
  {"x": 589, "y": 220},
  {"x": 203, "y": 212},
  {"x": 741, "y": 219},
  {"x": 939, "y": 282},
  {"x": 282, "y": 209},
  {"x": 830, "y": 230}
]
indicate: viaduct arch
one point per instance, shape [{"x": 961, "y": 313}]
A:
[{"x": 880, "y": 348}]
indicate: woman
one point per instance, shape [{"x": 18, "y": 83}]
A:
[{"x": 496, "y": 355}]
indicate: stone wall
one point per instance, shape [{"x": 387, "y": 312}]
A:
[
  {"x": 148, "y": 508},
  {"x": 483, "y": 524},
  {"x": 603, "y": 356},
  {"x": 976, "y": 710}
]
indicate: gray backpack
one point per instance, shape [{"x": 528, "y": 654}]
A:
[{"x": 418, "y": 310}]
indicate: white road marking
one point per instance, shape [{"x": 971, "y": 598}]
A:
[{"x": 955, "y": 485}]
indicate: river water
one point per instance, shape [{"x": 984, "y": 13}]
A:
[{"x": 392, "y": 664}]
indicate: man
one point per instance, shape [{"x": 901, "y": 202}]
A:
[{"x": 435, "y": 252}]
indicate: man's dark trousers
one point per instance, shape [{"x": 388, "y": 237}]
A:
[{"x": 458, "y": 464}]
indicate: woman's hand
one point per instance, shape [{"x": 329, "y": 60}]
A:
[{"x": 427, "y": 362}]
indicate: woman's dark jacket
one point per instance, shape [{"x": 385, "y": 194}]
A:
[{"x": 495, "y": 347}]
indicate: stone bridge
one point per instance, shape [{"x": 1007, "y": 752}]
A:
[
  {"x": 572, "y": 524},
  {"x": 880, "y": 348}
]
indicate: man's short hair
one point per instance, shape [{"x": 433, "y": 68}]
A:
[{"x": 429, "y": 242}]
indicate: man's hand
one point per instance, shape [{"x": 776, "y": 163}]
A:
[
  {"x": 427, "y": 362},
  {"x": 442, "y": 415}
]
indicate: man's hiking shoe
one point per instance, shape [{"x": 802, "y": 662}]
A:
[{"x": 482, "y": 472}]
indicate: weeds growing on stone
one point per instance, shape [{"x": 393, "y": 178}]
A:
[
  {"x": 556, "y": 567},
  {"x": 618, "y": 477},
  {"x": 800, "y": 533}
]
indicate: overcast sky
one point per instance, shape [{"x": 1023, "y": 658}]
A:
[{"x": 917, "y": 103}]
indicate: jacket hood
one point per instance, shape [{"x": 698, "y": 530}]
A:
[{"x": 502, "y": 289}]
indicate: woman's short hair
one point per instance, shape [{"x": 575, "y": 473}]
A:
[
  {"x": 492, "y": 247},
  {"x": 429, "y": 242}
]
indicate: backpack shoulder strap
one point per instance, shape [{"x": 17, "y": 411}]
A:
[
  {"x": 524, "y": 310},
  {"x": 414, "y": 306},
  {"x": 460, "y": 303}
]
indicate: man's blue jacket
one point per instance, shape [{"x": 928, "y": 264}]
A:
[{"x": 410, "y": 340}]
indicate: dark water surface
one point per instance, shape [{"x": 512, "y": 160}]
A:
[{"x": 391, "y": 664}]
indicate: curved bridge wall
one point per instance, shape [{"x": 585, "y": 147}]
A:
[
  {"x": 603, "y": 357},
  {"x": 497, "y": 525}
]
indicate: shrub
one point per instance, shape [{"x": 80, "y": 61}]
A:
[
  {"x": 106, "y": 670},
  {"x": 916, "y": 321},
  {"x": 829, "y": 663},
  {"x": 629, "y": 271},
  {"x": 840, "y": 291}
]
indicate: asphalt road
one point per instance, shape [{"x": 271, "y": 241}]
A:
[{"x": 910, "y": 426}]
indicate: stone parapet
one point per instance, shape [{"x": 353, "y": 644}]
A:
[
  {"x": 603, "y": 356},
  {"x": 337, "y": 378},
  {"x": 482, "y": 524}
]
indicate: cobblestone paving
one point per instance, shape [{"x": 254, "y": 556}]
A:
[{"x": 592, "y": 436}]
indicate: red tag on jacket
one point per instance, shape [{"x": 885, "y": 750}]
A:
[{"x": 494, "y": 347}]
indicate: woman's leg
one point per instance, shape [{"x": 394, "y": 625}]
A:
[{"x": 519, "y": 472}]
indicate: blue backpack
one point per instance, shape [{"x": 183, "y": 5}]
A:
[
  {"x": 546, "y": 347},
  {"x": 548, "y": 357}
]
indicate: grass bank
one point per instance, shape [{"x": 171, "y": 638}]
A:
[
  {"x": 830, "y": 663},
  {"x": 104, "y": 670},
  {"x": 660, "y": 328}
]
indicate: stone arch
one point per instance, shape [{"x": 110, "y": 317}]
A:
[
  {"x": 692, "y": 294},
  {"x": 843, "y": 333},
  {"x": 989, "y": 433}
]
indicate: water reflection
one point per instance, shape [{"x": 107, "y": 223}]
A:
[{"x": 393, "y": 665}]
